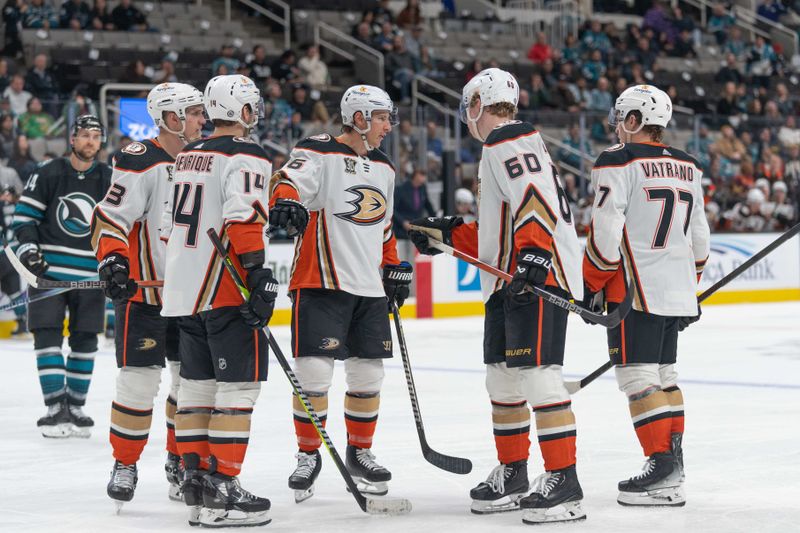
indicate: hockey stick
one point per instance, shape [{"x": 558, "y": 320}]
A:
[
  {"x": 575, "y": 386},
  {"x": 41, "y": 283},
  {"x": 367, "y": 504},
  {"x": 609, "y": 320},
  {"x": 456, "y": 465},
  {"x": 25, "y": 299}
]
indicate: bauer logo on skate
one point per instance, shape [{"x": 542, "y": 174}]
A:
[{"x": 369, "y": 206}]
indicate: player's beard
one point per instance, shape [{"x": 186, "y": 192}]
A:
[{"x": 85, "y": 154}]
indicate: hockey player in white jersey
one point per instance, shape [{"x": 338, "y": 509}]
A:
[
  {"x": 220, "y": 183},
  {"x": 125, "y": 238},
  {"x": 345, "y": 268},
  {"x": 524, "y": 227},
  {"x": 649, "y": 228}
]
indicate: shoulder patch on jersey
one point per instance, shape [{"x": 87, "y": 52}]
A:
[
  {"x": 135, "y": 148},
  {"x": 139, "y": 156},
  {"x": 613, "y": 156},
  {"x": 508, "y": 132},
  {"x": 322, "y": 137},
  {"x": 243, "y": 140},
  {"x": 324, "y": 144}
]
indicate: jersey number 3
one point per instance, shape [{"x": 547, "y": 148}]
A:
[
  {"x": 668, "y": 197},
  {"x": 186, "y": 209}
]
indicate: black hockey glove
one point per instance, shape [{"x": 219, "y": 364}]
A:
[
  {"x": 533, "y": 264},
  {"x": 396, "y": 282},
  {"x": 30, "y": 255},
  {"x": 263, "y": 290},
  {"x": 440, "y": 228},
  {"x": 594, "y": 301},
  {"x": 290, "y": 215},
  {"x": 685, "y": 321},
  {"x": 115, "y": 271}
]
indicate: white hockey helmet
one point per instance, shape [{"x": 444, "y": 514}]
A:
[
  {"x": 226, "y": 96},
  {"x": 494, "y": 86},
  {"x": 654, "y": 104},
  {"x": 175, "y": 97},
  {"x": 367, "y": 99}
]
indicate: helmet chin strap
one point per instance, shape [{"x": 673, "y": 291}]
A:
[
  {"x": 475, "y": 120},
  {"x": 181, "y": 133},
  {"x": 363, "y": 134}
]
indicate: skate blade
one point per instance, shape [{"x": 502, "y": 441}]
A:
[
  {"x": 80, "y": 433},
  {"x": 500, "y": 505},
  {"x": 388, "y": 506},
  {"x": 218, "y": 518},
  {"x": 118, "y": 506},
  {"x": 375, "y": 488},
  {"x": 666, "y": 497},
  {"x": 175, "y": 493},
  {"x": 565, "y": 512},
  {"x": 302, "y": 495},
  {"x": 59, "y": 431}
]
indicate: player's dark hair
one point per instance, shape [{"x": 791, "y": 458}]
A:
[
  {"x": 656, "y": 133},
  {"x": 219, "y": 123}
]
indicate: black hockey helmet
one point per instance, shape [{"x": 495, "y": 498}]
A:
[{"x": 89, "y": 122}]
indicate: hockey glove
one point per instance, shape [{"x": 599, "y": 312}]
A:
[
  {"x": 290, "y": 215},
  {"x": 263, "y": 290},
  {"x": 594, "y": 301},
  {"x": 533, "y": 264},
  {"x": 30, "y": 255},
  {"x": 396, "y": 282},
  {"x": 439, "y": 228},
  {"x": 114, "y": 270},
  {"x": 685, "y": 321}
]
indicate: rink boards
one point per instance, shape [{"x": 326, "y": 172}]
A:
[{"x": 447, "y": 287}]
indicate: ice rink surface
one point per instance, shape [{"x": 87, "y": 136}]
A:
[{"x": 740, "y": 374}]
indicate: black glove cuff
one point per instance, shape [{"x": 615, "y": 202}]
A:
[{"x": 252, "y": 260}]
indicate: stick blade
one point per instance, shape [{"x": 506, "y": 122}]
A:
[
  {"x": 455, "y": 465},
  {"x": 388, "y": 506}
]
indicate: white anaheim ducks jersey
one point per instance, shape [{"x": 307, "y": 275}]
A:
[
  {"x": 648, "y": 216},
  {"x": 349, "y": 235},
  {"x": 128, "y": 219},
  {"x": 522, "y": 204},
  {"x": 220, "y": 183}
]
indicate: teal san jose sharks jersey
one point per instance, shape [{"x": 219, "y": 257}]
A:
[{"x": 55, "y": 211}]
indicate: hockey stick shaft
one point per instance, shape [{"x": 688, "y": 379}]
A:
[
  {"x": 456, "y": 465},
  {"x": 41, "y": 283},
  {"x": 575, "y": 386},
  {"x": 362, "y": 501},
  {"x": 610, "y": 320},
  {"x": 27, "y": 299}
]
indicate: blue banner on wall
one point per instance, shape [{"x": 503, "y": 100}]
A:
[
  {"x": 134, "y": 120},
  {"x": 468, "y": 278}
]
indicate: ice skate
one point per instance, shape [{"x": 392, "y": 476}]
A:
[
  {"x": 556, "y": 497},
  {"x": 303, "y": 477},
  {"x": 56, "y": 423},
  {"x": 370, "y": 477},
  {"x": 192, "y": 487},
  {"x": 81, "y": 423},
  {"x": 502, "y": 490},
  {"x": 174, "y": 470},
  {"x": 658, "y": 484},
  {"x": 227, "y": 504},
  {"x": 122, "y": 484}
]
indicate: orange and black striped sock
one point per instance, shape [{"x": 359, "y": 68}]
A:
[
  {"x": 129, "y": 431},
  {"x": 228, "y": 436},
  {"x": 361, "y": 417},
  {"x": 652, "y": 420},
  {"x": 191, "y": 432},
  {"x": 307, "y": 438},
  {"x": 555, "y": 429},
  {"x": 170, "y": 408},
  {"x": 675, "y": 398},
  {"x": 512, "y": 427}
]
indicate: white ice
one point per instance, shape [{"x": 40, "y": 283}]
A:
[{"x": 740, "y": 373}]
